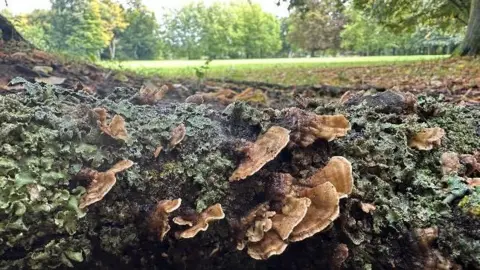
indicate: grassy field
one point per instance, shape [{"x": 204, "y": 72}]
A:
[{"x": 287, "y": 71}]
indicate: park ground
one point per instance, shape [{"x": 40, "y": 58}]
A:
[{"x": 426, "y": 73}]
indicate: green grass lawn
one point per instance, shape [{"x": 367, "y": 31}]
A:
[{"x": 278, "y": 70}]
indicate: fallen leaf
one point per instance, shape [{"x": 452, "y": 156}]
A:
[
  {"x": 43, "y": 70},
  {"x": 51, "y": 80}
]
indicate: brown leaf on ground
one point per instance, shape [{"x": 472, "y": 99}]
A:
[{"x": 50, "y": 80}]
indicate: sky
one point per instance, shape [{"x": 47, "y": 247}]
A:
[{"x": 158, "y": 6}]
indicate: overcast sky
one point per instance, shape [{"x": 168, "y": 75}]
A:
[{"x": 24, "y": 6}]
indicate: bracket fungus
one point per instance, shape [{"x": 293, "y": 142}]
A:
[
  {"x": 323, "y": 210},
  {"x": 177, "y": 136},
  {"x": 257, "y": 231},
  {"x": 159, "y": 219},
  {"x": 116, "y": 129},
  {"x": 338, "y": 171},
  {"x": 427, "y": 138},
  {"x": 293, "y": 212},
  {"x": 102, "y": 183},
  {"x": 199, "y": 222},
  {"x": 150, "y": 94},
  {"x": 257, "y": 154},
  {"x": 309, "y": 126},
  {"x": 271, "y": 244},
  {"x": 450, "y": 163}
]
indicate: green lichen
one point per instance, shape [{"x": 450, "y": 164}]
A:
[{"x": 471, "y": 203}]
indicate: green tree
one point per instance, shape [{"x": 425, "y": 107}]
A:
[
  {"x": 255, "y": 32},
  {"x": 316, "y": 29},
  {"x": 141, "y": 38},
  {"x": 444, "y": 14},
  {"x": 114, "y": 23},
  {"x": 77, "y": 27},
  {"x": 184, "y": 30},
  {"x": 217, "y": 27}
]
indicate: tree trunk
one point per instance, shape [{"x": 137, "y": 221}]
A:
[
  {"x": 112, "y": 48},
  {"x": 8, "y": 30},
  {"x": 471, "y": 44},
  {"x": 312, "y": 53}
]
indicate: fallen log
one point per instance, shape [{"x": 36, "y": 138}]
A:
[{"x": 101, "y": 182}]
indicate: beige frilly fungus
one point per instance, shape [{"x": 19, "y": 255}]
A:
[
  {"x": 199, "y": 222},
  {"x": 427, "y": 138},
  {"x": 450, "y": 163},
  {"x": 338, "y": 171},
  {"x": 158, "y": 222},
  {"x": 323, "y": 210},
  {"x": 293, "y": 212},
  {"x": 257, "y": 231},
  {"x": 177, "y": 135},
  {"x": 116, "y": 129},
  {"x": 308, "y": 127},
  {"x": 257, "y": 154},
  {"x": 271, "y": 244},
  {"x": 472, "y": 162},
  {"x": 150, "y": 94},
  {"x": 102, "y": 183}
]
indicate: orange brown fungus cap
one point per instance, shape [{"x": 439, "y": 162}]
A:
[
  {"x": 338, "y": 172},
  {"x": 265, "y": 148},
  {"x": 323, "y": 210},
  {"x": 427, "y": 138},
  {"x": 199, "y": 222},
  {"x": 450, "y": 163},
  {"x": 251, "y": 95},
  {"x": 102, "y": 183},
  {"x": 309, "y": 126},
  {"x": 159, "y": 219},
  {"x": 473, "y": 182},
  {"x": 293, "y": 211},
  {"x": 177, "y": 135},
  {"x": 271, "y": 244},
  {"x": 150, "y": 94},
  {"x": 157, "y": 151},
  {"x": 257, "y": 231},
  {"x": 472, "y": 162},
  {"x": 116, "y": 129}
]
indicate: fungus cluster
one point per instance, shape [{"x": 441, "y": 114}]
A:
[
  {"x": 306, "y": 209},
  {"x": 115, "y": 129},
  {"x": 427, "y": 138},
  {"x": 102, "y": 182},
  {"x": 198, "y": 222},
  {"x": 308, "y": 127},
  {"x": 150, "y": 94},
  {"x": 297, "y": 209},
  {"x": 453, "y": 163}
]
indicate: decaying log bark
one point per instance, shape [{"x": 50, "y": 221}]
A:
[{"x": 52, "y": 148}]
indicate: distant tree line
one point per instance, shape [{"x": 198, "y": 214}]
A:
[{"x": 106, "y": 29}]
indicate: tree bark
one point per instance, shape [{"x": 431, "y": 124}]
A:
[
  {"x": 8, "y": 30},
  {"x": 398, "y": 191},
  {"x": 471, "y": 45}
]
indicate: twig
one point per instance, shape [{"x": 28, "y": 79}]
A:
[{"x": 6, "y": 3}]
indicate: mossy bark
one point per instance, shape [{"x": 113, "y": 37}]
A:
[{"x": 48, "y": 134}]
